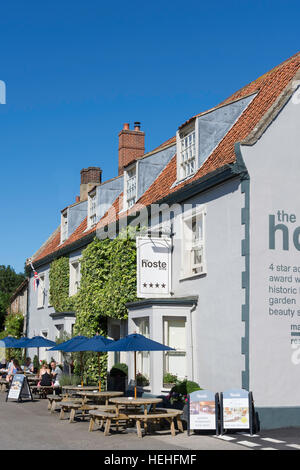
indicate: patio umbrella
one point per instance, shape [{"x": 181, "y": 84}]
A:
[
  {"x": 136, "y": 342},
  {"x": 22, "y": 342},
  {"x": 97, "y": 344},
  {"x": 64, "y": 347},
  {"x": 69, "y": 345},
  {"x": 36, "y": 342},
  {"x": 9, "y": 341}
]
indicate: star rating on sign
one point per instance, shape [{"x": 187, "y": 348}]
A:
[{"x": 151, "y": 285}]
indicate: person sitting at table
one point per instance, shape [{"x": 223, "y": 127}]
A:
[
  {"x": 56, "y": 373},
  {"x": 14, "y": 368},
  {"x": 28, "y": 366},
  {"x": 45, "y": 376}
]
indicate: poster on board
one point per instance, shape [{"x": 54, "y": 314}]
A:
[
  {"x": 19, "y": 388},
  {"x": 203, "y": 411},
  {"x": 236, "y": 409}
]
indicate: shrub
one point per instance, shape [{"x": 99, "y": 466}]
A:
[
  {"x": 141, "y": 380},
  {"x": 181, "y": 390},
  {"x": 66, "y": 379},
  {"x": 170, "y": 378},
  {"x": 119, "y": 369}
]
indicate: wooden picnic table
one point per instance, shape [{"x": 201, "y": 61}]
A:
[
  {"x": 75, "y": 389},
  {"x": 130, "y": 402},
  {"x": 99, "y": 395}
]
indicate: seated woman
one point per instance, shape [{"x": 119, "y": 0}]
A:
[
  {"x": 14, "y": 368},
  {"x": 45, "y": 377}
]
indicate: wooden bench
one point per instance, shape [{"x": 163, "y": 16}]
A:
[
  {"x": 168, "y": 415},
  {"x": 177, "y": 415},
  {"x": 52, "y": 402},
  {"x": 3, "y": 385},
  {"x": 73, "y": 406},
  {"x": 41, "y": 390}
]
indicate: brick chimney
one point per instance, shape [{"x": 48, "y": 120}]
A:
[
  {"x": 90, "y": 177},
  {"x": 131, "y": 145}
]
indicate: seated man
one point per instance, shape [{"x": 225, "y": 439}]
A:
[
  {"x": 28, "y": 366},
  {"x": 56, "y": 373}
]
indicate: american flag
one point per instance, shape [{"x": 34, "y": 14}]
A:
[{"x": 36, "y": 280}]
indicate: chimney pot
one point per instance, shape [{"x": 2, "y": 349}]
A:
[
  {"x": 131, "y": 145},
  {"x": 90, "y": 177},
  {"x": 126, "y": 126}
]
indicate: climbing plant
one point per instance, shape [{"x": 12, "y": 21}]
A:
[
  {"x": 59, "y": 286},
  {"x": 108, "y": 282}
]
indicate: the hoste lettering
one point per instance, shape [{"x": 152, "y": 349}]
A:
[{"x": 154, "y": 264}]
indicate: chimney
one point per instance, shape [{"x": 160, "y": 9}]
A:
[
  {"x": 90, "y": 177},
  {"x": 131, "y": 145}
]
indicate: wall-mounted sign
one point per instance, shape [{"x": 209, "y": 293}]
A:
[
  {"x": 153, "y": 267},
  {"x": 203, "y": 411},
  {"x": 236, "y": 410},
  {"x": 19, "y": 388}
]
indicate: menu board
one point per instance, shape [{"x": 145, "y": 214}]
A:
[
  {"x": 203, "y": 410},
  {"x": 235, "y": 407},
  {"x": 19, "y": 388}
]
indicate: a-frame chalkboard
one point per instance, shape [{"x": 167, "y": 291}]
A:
[{"x": 19, "y": 389}]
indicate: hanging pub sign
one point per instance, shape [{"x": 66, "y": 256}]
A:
[
  {"x": 237, "y": 410},
  {"x": 153, "y": 267},
  {"x": 19, "y": 388},
  {"x": 203, "y": 411}
]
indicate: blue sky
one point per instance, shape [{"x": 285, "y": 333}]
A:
[{"x": 75, "y": 71}]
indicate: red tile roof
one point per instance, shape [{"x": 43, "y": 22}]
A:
[{"x": 268, "y": 88}]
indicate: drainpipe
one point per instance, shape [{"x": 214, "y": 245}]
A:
[{"x": 192, "y": 348}]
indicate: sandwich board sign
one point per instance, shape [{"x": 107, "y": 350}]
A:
[
  {"x": 19, "y": 388},
  {"x": 203, "y": 411},
  {"x": 236, "y": 410}
]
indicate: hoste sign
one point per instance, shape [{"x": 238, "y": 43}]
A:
[{"x": 153, "y": 267}]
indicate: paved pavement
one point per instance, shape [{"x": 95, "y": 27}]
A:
[{"x": 30, "y": 426}]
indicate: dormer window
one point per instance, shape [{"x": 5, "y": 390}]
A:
[
  {"x": 64, "y": 226},
  {"x": 130, "y": 187},
  {"x": 186, "y": 152},
  {"x": 92, "y": 213}
]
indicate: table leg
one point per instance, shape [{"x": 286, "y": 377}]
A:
[
  {"x": 91, "y": 427},
  {"x": 107, "y": 427},
  {"x": 138, "y": 428}
]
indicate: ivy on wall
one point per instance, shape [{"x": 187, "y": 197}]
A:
[
  {"x": 108, "y": 282},
  {"x": 59, "y": 277}
]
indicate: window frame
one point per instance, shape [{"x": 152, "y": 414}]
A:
[
  {"x": 41, "y": 291},
  {"x": 74, "y": 283},
  {"x": 166, "y": 319},
  {"x": 126, "y": 179},
  {"x": 181, "y": 135},
  {"x": 189, "y": 268},
  {"x": 92, "y": 211},
  {"x": 64, "y": 226}
]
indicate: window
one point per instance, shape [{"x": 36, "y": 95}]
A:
[
  {"x": 187, "y": 154},
  {"x": 41, "y": 292},
  {"x": 92, "y": 216},
  {"x": 74, "y": 277},
  {"x": 175, "y": 337},
  {"x": 193, "y": 243},
  {"x": 64, "y": 226},
  {"x": 131, "y": 187},
  {"x": 143, "y": 357}
]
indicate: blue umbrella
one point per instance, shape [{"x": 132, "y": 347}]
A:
[
  {"x": 38, "y": 342},
  {"x": 97, "y": 344},
  {"x": 22, "y": 342},
  {"x": 68, "y": 346},
  {"x": 9, "y": 341},
  {"x": 136, "y": 342}
]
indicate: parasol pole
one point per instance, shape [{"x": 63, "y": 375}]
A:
[
  {"x": 99, "y": 368},
  {"x": 135, "y": 393},
  {"x": 81, "y": 368}
]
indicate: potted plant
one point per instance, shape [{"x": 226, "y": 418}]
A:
[{"x": 170, "y": 380}]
